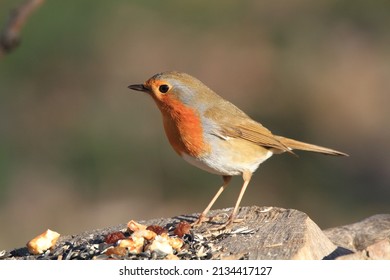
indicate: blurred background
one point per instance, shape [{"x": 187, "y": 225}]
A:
[{"x": 79, "y": 150}]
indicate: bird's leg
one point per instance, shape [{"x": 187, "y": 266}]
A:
[
  {"x": 247, "y": 177},
  {"x": 202, "y": 217}
]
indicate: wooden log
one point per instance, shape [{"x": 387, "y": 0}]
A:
[
  {"x": 367, "y": 239},
  {"x": 278, "y": 234},
  {"x": 264, "y": 233}
]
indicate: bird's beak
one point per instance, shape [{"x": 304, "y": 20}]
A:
[{"x": 139, "y": 87}]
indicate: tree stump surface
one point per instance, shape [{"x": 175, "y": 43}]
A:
[
  {"x": 263, "y": 233},
  {"x": 368, "y": 239}
]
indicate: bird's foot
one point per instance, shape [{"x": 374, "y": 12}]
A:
[
  {"x": 202, "y": 218},
  {"x": 224, "y": 226},
  {"x": 228, "y": 224}
]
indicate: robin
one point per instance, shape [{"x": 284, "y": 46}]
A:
[{"x": 212, "y": 134}]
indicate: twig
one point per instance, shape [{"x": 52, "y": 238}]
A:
[{"x": 10, "y": 35}]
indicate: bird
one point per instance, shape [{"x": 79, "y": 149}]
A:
[{"x": 213, "y": 134}]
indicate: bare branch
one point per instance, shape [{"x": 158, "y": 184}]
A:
[{"x": 10, "y": 35}]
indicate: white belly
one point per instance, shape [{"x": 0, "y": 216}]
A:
[{"x": 220, "y": 165}]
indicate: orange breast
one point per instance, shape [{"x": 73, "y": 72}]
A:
[{"x": 183, "y": 127}]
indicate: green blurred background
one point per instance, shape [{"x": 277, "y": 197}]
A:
[{"x": 78, "y": 150}]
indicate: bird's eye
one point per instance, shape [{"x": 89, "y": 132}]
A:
[{"x": 163, "y": 88}]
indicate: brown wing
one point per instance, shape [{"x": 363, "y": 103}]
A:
[
  {"x": 237, "y": 124},
  {"x": 234, "y": 123},
  {"x": 254, "y": 132}
]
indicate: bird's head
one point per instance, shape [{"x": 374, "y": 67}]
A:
[{"x": 171, "y": 87}]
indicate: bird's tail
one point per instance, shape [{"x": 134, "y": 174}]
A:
[{"x": 298, "y": 145}]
